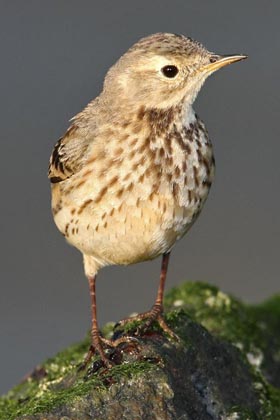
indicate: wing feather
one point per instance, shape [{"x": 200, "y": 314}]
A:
[{"x": 68, "y": 155}]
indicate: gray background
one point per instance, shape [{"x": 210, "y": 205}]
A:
[{"x": 54, "y": 55}]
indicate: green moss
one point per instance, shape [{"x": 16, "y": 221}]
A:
[
  {"x": 36, "y": 398},
  {"x": 240, "y": 413},
  {"x": 35, "y": 392},
  {"x": 273, "y": 402},
  {"x": 41, "y": 391},
  {"x": 253, "y": 329},
  {"x": 226, "y": 317}
]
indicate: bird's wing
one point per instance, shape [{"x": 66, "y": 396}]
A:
[{"x": 68, "y": 155}]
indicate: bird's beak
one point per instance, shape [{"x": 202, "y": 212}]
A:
[{"x": 218, "y": 61}]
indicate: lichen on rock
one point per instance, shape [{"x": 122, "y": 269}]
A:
[{"x": 226, "y": 366}]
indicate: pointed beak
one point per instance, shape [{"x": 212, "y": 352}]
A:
[{"x": 219, "y": 61}]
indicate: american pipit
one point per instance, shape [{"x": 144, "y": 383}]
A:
[{"x": 131, "y": 174}]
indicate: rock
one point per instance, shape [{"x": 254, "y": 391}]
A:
[{"x": 226, "y": 365}]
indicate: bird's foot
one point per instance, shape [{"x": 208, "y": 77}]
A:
[
  {"x": 155, "y": 314},
  {"x": 118, "y": 341},
  {"x": 97, "y": 348}
]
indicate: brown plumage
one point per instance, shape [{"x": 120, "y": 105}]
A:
[{"x": 132, "y": 172}]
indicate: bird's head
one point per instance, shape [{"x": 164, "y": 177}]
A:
[{"x": 163, "y": 69}]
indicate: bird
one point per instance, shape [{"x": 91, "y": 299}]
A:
[{"x": 132, "y": 172}]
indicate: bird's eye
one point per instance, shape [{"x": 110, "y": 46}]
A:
[{"x": 169, "y": 71}]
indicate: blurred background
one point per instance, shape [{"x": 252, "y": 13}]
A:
[{"x": 54, "y": 56}]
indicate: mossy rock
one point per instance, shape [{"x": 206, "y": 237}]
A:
[{"x": 226, "y": 366}]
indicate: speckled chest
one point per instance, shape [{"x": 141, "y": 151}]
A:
[
  {"x": 184, "y": 154},
  {"x": 152, "y": 181}
]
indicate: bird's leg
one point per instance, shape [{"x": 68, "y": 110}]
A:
[
  {"x": 156, "y": 313},
  {"x": 96, "y": 339}
]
